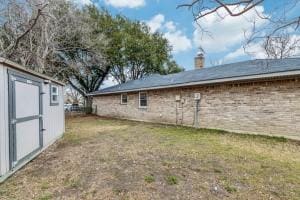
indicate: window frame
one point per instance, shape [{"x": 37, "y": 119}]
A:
[
  {"x": 140, "y": 106},
  {"x": 122, "y": 103},
  {"x": 54, "y": 103}
]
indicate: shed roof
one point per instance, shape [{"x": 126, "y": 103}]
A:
[
  {"x": 23, "y": 69},
  {"x": 246, "y": 70}
]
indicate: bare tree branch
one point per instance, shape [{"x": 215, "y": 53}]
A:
[
  {"x": 31, "y": 24},
  {"x": 203, "y": 10},
  {"x": 273, "y": 27}
]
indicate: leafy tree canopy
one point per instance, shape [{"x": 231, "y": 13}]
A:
[{"x": 133, "y": 51}]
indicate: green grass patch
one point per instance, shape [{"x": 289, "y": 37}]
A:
[
  {"x": 73, "y": 183},
  {"x": 230, "y": 188},
  {"x": 72, "y": 138},
  {"x": 45, "y": 185},
  {"x": 46, "y": 196},
  {"x": 149, "y": 178},
  {"x": 216, "y": 170},
  {"x": 172, "y": 180},
  {"x": 2, "y": 191}
]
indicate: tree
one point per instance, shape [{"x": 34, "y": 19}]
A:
[
  {"x": 30, "y": 31},
  {"x": 55, "y": 38},
  {"x": 19, "y": 21},
  {"x": 84, "y": 71},
  {"x": 172, "y": 68},
  {"x": 80, "y": 60},
  {"x": 284, "y": 21},
  {"x": 73, "y": 96},
  {"x": 281, "y": 46},
  {"x": 133, "y": 52}
]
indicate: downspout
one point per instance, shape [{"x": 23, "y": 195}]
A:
[
  {"x": 197, "y": 109},
  {"x": 197, "y": 97}
]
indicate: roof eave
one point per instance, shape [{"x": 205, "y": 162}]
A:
[
  {"x": 23, "y": 69},
  {"x": 208, "y": 82}
]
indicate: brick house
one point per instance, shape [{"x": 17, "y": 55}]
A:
[{"x": 258, "y": 96}]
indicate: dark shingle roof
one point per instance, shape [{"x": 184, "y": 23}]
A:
[{"x": 234, "y": 70}]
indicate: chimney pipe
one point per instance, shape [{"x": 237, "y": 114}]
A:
[{"x": 199, "y": 61}]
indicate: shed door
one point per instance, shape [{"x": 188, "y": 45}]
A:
[{"x": 25, "y": 117}]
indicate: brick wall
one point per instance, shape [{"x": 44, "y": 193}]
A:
[{"x": 265, "y": 108}]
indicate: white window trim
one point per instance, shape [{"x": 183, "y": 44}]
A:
[
  {"x": 140, "y": 100},
  {"x": 122, "y": 99},
  {"x": 54, "y": 103}
]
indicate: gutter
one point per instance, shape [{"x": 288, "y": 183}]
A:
[
  {"x": 207, "y": 82},
  {"x": 23, "y": 69}
]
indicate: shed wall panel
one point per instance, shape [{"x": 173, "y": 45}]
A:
[
  {"x": 53, "y": 116},
  {"x": 27, "y": 100},
  {"x": 27, "y": 134},
  {"x": 4, "y": 152}
]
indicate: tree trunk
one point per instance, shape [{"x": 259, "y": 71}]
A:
[{"x": 89, "y": 104}]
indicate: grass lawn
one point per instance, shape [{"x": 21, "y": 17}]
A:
[{"x": 117, "y": 159}]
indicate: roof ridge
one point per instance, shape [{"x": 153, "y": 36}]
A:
[
  {"x": 244, "y": 61},
  {"x": 215, "y": 66}
]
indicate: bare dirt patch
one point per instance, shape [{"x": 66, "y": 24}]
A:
[{"x": 117, "y": 159}]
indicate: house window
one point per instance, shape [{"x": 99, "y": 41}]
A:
[
  {"x": 54, "y": 95},
  {"x": 124, "y": 98},
  {"x": 143, "y": 100}
]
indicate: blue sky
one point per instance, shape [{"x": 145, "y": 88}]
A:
[{"x": 223, "y": 45}]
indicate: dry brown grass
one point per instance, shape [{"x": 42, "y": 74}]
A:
[{"x": 116, "y": 159}]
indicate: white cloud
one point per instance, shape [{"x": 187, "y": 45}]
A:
[
  {"x": 256, "y": 51},
  {"x": 225, "y": 31},
  {"x": 156, "y": 22},
  {"x": 170, "y": 26},
  {"x": 126, "y": 3},
  {"x": 177, "y": 39}
]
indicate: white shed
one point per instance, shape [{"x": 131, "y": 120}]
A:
[{"x": 31, "y": 115}]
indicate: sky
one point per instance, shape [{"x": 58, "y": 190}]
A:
[{"x": 223, "y": 44}]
